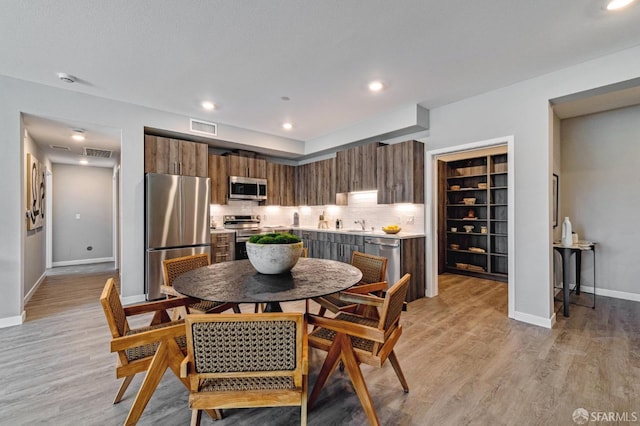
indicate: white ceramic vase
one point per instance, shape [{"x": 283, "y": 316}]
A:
[{"x": 274, "y": 258}]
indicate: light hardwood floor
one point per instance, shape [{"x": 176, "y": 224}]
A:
[{"x": 465, "y": 361}]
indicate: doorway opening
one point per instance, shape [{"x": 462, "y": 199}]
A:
[{"x": 469, "y": 211}]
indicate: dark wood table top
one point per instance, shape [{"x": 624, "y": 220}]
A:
[{"x": 239, "y": 282}]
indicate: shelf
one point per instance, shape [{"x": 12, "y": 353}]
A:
[
  {"x": 466, "y": 189},
  {"x": 466, "y": 176},
  {"x": 490, "y": 170},
  {"x": 466, "y": 251}
]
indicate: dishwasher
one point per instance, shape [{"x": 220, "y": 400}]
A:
[{"x": 389, "y": 248}]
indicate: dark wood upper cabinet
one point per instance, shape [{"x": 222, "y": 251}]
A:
[
  {"x": 281, "y": 190},
  {"x": 400, "y": 173},
  {"x": 247, "y": 166},
  {"x": 219, "y": 179},
  {"x": 356, "y": 168},
  {"x": 316, "y": 183},
  {"x": 175, "y": 157}
]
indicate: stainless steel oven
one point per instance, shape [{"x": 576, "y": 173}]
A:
[{"x": 245, "y": 226}]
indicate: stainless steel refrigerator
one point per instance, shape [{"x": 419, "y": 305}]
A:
[{"x": 176, "y": 223}]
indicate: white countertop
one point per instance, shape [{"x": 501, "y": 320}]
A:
[{"x": 376, "y": 233}]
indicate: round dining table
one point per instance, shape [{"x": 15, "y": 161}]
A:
[{"x": 238, "y": 282}]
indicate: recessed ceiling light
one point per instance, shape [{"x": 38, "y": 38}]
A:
[
  {"x": 376, "y": 86},
  {"x": 618, "y": 4},
  {"x": 78, "y": 135},
  {"x": 84, "y": 162},
  {"x": 287, "y": 126},
  {"x": 208, "y": 105}
]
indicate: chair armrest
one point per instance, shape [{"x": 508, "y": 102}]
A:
[
  {"x": 184, "y": 367},
  {"x": 169, "y": 290},
  {"x": 352, "y": 329},
  {"x": 368, "y": 288},
  {"x": 147, "y": 337},
  {"x": 143, "y": 308},
  {"x": 361, "y": 299}
]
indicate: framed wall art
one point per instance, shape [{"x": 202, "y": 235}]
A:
[
  {"x": 555, "y": 200},
  {"x": 35, "y": 193}
]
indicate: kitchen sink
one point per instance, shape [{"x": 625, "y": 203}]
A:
[{"x": 358, "y": 230}]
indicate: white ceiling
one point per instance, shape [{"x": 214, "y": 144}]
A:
[
  {"x": 246, "y": 55},
  {"x": 53, "y": 135}
]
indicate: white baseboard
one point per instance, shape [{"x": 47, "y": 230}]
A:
[
  {"x": 28, "y": 296},
  {"x": 83, "y": 261},
  {"x": 138, "y": 298},
  {"x": 612, "y": 293},
  {"x": 535, "y": 320},
  {"x": 12, "y": 321}
]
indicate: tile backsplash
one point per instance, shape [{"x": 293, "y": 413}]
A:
[{"x": 363, "y": 205}]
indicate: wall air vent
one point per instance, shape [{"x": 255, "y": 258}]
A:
[
  {"x": 60, "y": 147},
  {"x": 95, "y": 152},
  {"x": 203, "y": 127}
]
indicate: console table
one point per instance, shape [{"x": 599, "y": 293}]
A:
[{"x": 566, "y": 252}]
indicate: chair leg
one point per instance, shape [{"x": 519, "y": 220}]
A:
[
  {"x": 396, "y": 367},
  {"x": 329, "y": 365},
  {"x": 236, "y": 309},
  {"x": 196, "y": 416},
  {"x": 151, "y": 379},
  {"x": 123, "y": 387},
  {"x": 322, "y": 311},
  {"x": 168, "y": 355},
  {"x": 352, "y": 367}
]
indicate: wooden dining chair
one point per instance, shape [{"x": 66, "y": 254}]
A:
[
  {"x": 355, "y": 339},
  {"x": 173, "y": 268},
  {"x": 374, "y": 271},
  {"x": 152, "y": 348},
  {"x": 246, "y": 360}
]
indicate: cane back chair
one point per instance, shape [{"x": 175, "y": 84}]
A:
[
  {"x": 355, "y": 339},
  {"x": 374, "y": 270},
  {"x": 246, "y": 360},
  {"x": 174, "y": 267}
]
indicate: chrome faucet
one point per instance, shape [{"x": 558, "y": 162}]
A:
[{"x": 361, "y": 222}]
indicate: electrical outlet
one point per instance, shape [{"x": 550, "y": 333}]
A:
[{"x": 410, "y": 220}]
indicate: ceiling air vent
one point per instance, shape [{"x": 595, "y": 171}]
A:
[
  {"x": 60, "y": 147},
  {"x": 94, "y": 152},
  {"x": 204, "y": 127}
]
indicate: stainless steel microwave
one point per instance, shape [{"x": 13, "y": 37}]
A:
[{"x": 244, "y": 188}]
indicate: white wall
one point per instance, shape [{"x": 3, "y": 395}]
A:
[
  {"x": 35, "y": 241},
  {"x": 87, "y": 192},
  {"x": 599, "y": 184}
]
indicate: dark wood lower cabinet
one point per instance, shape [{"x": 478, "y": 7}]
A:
[
  {"x": 336, "y": 246},
  {"x": 412, "y": 261}
]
